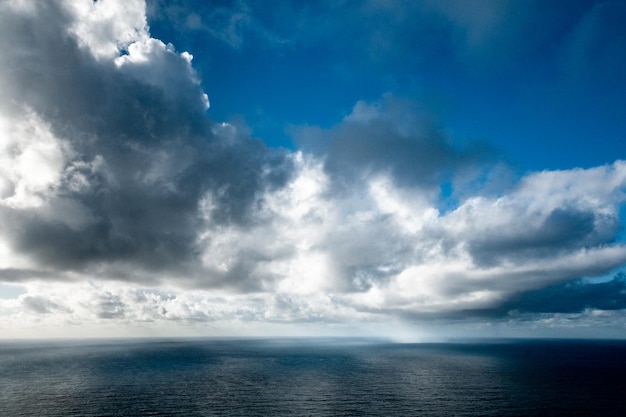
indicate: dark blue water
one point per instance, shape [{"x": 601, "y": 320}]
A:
[{"x": 311, "y": 378}]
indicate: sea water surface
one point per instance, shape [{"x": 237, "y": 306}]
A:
[{"x": 311, "y": 377}]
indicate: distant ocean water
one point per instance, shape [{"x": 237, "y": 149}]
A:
[{"x": 312, "y": 378}]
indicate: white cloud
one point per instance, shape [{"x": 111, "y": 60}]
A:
[
  {"x": 132, "y": 208},
  {"x": 108, "y": 27},
  {"x": 160, "y": 65},
  {"x": 31, "y": 160}
]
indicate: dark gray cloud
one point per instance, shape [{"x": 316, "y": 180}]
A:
[
  {"x": 41, "y": 305},
  {"x": 391, "y": 138},
  {"x": 19, "y": 274},
  {"x": 563, "y": 230},
  {"x": 111, "y": 171},
  {"x": 571, "y": 297},
  {"x": 110, "y": 307},
  {"x": 142, "y": 153}
]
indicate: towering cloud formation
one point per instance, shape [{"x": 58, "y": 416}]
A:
[
  {"x": 108, "y": 149},
  {"x": 121, "y": 201}
]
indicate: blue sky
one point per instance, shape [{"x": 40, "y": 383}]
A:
[
  {"x": 541, "y": 82},
  {"x": 406, "y": 169}
]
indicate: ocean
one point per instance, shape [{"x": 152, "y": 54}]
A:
[{"x": 312, "y": 377}]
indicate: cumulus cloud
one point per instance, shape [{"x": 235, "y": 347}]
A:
[
  {"x": 108, "y": 149},
  {"x": 122, "y": 202},
  {"x": 389, "y": 137},
  {"x": 572, "y": 297}
]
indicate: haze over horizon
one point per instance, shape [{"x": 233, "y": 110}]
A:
[{"x": 412, "y": 170}]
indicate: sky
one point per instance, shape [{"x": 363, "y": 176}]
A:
[{"x": 412, "y": 170}]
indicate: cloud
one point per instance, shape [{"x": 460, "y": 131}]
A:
[
  {"x": 390, "y": 138},
  {"x": 549, "y": 215},
  {"x": 122, "y": 202},
  {"x": 232, "y": 23},
  {"x": 387, "y": 249},
  {"x": 571, "y": 297},
  {"x": 109, "y": 152},
  {"x": 40, "y": 305}
]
